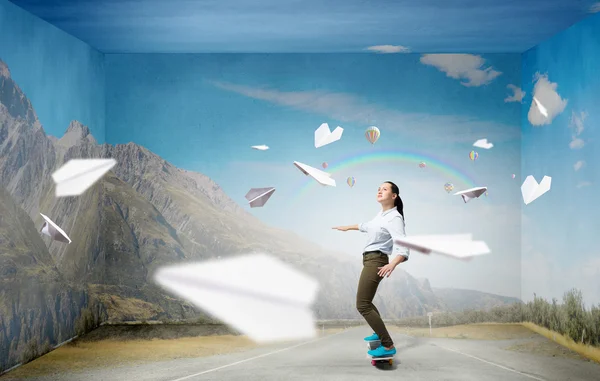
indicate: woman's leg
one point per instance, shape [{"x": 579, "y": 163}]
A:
[{"x": 367, "y": 287}]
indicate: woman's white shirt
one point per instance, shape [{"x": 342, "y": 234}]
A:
[{"x": 382, "y": 230}]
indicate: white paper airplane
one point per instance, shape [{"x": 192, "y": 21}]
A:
[
  {"x": 468, "y": 194},
  {"x": 540, "y": 107},
  {"x": 483, "y": 143},
  {"x": 459, "y": 246},
  {"x": 259, "y": 196},
  {"x": 261, "y": 147},
  {"x": 324, "y": 136},
  {"x": 323, "y": 178},
  {"x": 77, "y": 175},
  {"x": 532, "y": 190},
  {"x": 53, "y": 231},
  {"x": 256, "y": 294}
]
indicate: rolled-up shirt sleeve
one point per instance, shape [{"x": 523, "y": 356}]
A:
[
  {"x": 363, "y": 226},
  {"x": 396, "y": 229}
]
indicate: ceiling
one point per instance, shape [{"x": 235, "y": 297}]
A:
[{"x": 282, "y": 26}]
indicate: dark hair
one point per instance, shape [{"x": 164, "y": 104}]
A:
[{"x": 397, "y": 201}]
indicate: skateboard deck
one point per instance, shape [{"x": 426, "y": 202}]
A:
[{"x": 382, "y": 360}]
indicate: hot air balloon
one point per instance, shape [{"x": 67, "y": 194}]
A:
[
  {"x": 473, "y": 155},
  {"x": 372, "y": 134},
  {"x": 513, "y": 175},
  {"x": 422, "y": 165},
  {"x": 351, "y": 181},
  {"x": 448, "y": 187},
  {"x": 324, "y": 165}
]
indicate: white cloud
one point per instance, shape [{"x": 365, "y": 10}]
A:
[
  {"x": 584, "y": 184},
  {"x": 353, "y": 109},
  {"x": 576, "y": 124},
  {"x": 577, "y": 166},
  {"x": 462, "y": 66},
  {"x": 517, "y": 95},
  {"x": 389, "y": 49},
  {"x": 595, "y": 8},
  {"x": 545, "y": 92},
  {"x": 576, "y": 143}
]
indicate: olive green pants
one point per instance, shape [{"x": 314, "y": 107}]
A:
[{"x": 367, "y": 286}]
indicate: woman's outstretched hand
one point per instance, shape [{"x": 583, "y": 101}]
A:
[
  {"x": 386, "y": 270},
  {"x": 341, "y": 228}
]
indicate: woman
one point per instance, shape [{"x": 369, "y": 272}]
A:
[{"x": 381, "y": 231}]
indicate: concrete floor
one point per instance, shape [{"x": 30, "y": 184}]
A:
[{"x": 342, "y": 356}]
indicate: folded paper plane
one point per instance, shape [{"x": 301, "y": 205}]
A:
[
  {"x": 53, "y": 231},
  {"x": 261, "y": 147},
  {"x": 323, "y": 178},
  {"x": 324, "y": 136},
  {"x": 256, "y": 294},
  {"x": 259, "y": 196},
  {"x": 483, "y": 143},
  {"x": 542, "y": 109},
  {"x": 77, "y": 175},
  {"x": 459, "y": 246},
  {"x": 468, "y": 194},
  {"x": 532, "y": 190}
]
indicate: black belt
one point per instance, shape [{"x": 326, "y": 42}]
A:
[{"x": 374, "y": 252}]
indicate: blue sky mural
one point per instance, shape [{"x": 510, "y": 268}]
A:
[
  {"x": 559, "y": 250},
  {"x": 311, "y": 26},
  {"x": 62, "y": 76},
  {"x": 204, "y": 112}
]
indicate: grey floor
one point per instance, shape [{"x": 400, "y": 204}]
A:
[{"x": 342, "y": 356}]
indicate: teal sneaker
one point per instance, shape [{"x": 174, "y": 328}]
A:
[
  {"x": 373, "y": 337},
  {"x": 382, "y": 352}
]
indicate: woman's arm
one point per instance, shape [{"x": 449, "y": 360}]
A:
[
  {"x": 399, "y": 259},
  {"x": 346, "y": 228},
  {"x": 396, "y": 229}
]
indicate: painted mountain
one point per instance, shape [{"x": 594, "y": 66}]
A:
[
  {"x": 143, "y": 214},
  {"x": 456, "y": 299}
]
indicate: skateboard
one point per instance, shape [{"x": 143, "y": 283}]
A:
[
  {"x": 382, "y": 360},
  {"x": 378, "y": 360}
]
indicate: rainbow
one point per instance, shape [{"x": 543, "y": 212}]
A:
[{"x": 448, "y": 171}]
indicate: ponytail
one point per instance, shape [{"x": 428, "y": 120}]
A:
[
  {"x": 399, "y": 205},
  {"x": 397, "y": 201}
]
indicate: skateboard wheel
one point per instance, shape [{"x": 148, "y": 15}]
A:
[
  {"x": 391, "y": 361},
  {"x": 373, "y": 362}
]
